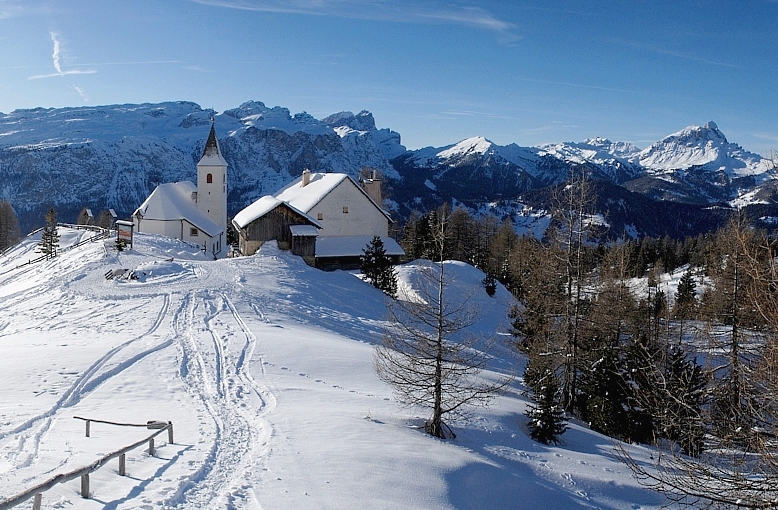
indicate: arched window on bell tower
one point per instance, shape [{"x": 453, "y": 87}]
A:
[{"x": 209, "y": 178}]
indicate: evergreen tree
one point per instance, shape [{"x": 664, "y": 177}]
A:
[
  {"x": 547, "y": 420},
  {"x": 686, "y": 296},
  {"x": 604, "y": 399},
  {"x": 49, "y": 242},
  {"x": 490, "y": 284},
  {"x": 377, "y": 267},
  {"x": 640, "y": 377},
  {"x": 681, "y": 419}
]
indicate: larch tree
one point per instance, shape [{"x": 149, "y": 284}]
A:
[
  {"x": 573, "y": 211},
  {"x": 426, "y": 355},
  {"x": 730, "y": 311},
  {"x": 9, "y": 225}
]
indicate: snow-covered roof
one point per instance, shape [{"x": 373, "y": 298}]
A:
[
  {"x": 304, "y": 231},
  {"x": 306, "y": 197},
  {"x": 353, "y": 246},
  {"x": 261, "y": 207},
  {"x": 173, "y": 201}
]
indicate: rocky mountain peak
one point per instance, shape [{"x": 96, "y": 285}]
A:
[{"x": 363, "y": 121}]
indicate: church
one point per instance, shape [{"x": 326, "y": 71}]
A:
[{"x": 195, "y": 214}]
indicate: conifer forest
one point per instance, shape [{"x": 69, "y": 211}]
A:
[{"x": 692, "y": 370}]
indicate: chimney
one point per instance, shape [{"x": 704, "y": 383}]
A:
[
  {"x": 306, "y": 178},
  {"x": 372, "y": 187}
]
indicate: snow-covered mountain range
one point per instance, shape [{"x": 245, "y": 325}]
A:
[{"x": 114, "y": 156}]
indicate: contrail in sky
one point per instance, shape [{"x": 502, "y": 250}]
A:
[{"x": 55, "y": 61}]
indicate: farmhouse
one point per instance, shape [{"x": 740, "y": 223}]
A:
[
  {"x": 196, "y": 214},
  {"x": 327, "y": 218}
]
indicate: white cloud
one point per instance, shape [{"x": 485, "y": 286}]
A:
[
  {"x": 382, "y": 10},
  {"x": 57, "y": 66}
]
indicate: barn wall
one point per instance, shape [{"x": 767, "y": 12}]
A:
[
  {"x": 304, "y": 246},
  {"x": 273, "y": 225}
]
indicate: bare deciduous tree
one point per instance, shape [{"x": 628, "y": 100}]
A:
[
  {"x": 573, "y": 213},
  {"x": 427, "y": 355},
  {"x": 9, "y": 225}
]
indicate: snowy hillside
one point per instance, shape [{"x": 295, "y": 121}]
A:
[{"x": 264, "y": 366}]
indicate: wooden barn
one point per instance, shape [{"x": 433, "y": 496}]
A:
[
  {"x": 269, "y": 218},
  {"x": 328, "y": 218}
]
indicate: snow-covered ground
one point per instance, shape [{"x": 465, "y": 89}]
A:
[{"x": 264, "y": 366}]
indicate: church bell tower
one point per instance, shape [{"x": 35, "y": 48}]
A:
[{"x": 212, "y": 181}]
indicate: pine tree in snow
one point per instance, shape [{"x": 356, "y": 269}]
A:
[
  {"x": 686, "y": 296},
  {"x": 547, "y": 420},
  {"x": 49, "y": 242},
  {"x": 377, "y": 267}
]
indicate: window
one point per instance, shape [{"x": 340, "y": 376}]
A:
[
  {"x": 193, "y": 232},
  {"x": 209, "y": 178},
  {"x": 345, "y": 209},
  {"x": 320, "y": 216}
]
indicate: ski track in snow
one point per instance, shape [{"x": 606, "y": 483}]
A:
[
  {"x": 220, "y": 379},
  {"x": 29, "y": 434},
  {"x": 216, "y": 350}
]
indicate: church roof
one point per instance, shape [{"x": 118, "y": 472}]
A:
[
  {"x": 173, "y": 201},
  {"x": 212, "y": 154}
]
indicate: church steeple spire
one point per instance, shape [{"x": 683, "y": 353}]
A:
[
  {"x": 212, "y": 181},
  {"x": 212, "y": 145}
]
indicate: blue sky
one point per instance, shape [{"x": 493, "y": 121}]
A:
[{"x": 528, "y": 72}]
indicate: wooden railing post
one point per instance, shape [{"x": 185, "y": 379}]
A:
[
  {"x": 85, "y": 486},
  {"x": 37, "y": 491}
]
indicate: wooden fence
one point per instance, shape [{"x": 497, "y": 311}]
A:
[
  {"x": 101, "y": 234},
  {"x": 83, "y": 472}
]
